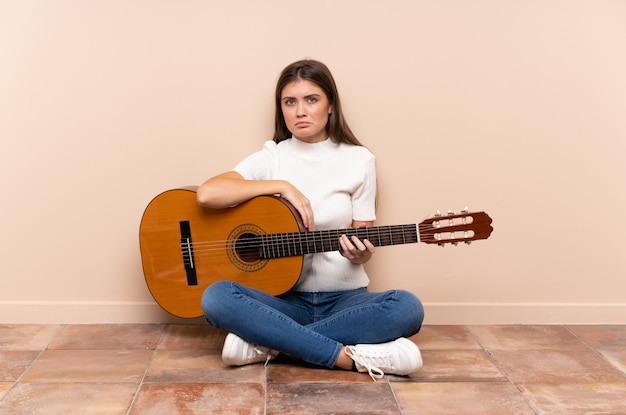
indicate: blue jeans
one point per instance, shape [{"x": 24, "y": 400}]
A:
[{"x": 312, "y": 327}]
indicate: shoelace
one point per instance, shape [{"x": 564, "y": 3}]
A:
[
  {"x": 365, "y": 361},
  {"x": 268, "y": 354},
  {"x": 267, "y": 359}
]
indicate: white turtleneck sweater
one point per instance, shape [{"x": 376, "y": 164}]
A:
[{"x": 340, "y": 182}]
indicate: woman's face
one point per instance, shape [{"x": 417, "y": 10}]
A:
[{"x": 305, "y": 108}]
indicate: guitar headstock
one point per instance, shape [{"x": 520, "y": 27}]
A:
[{"x": 455, "y": 227}]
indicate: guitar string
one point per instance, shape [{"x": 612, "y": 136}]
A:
[
  {"x": 277, "y": 251},
  {"x": 200, "y": 247},
  {"x": 305, "y": 236}
]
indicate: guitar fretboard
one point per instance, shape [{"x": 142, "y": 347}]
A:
[{"x": 299, "y": 243}]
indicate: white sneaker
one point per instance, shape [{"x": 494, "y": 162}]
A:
[
  {"x": 399, "y": 357},
  {"x": 238, "y": 352}
]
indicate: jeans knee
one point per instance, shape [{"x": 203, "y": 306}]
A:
[
  {"x": 212, "y": 300},
  {"x": 413, "y": 311}
]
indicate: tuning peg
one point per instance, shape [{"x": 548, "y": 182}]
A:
[
  {"x": 468, "y": 242},
  {"x": 450, "y": 213},
  {"x": 438, "y": 213},
  {"x": 465, "y": 210}
]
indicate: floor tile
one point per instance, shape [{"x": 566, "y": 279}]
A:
[
  {"x": 445, "y": 337},
  {"x": 480, "y": 398},
  {"x": 608, "y": 340},
  {"x": 192, "y": 399},
  {"x": 108, "y": 337},
  {"x": 27, "y": 336},
  {"x": 89, "y": 366},
  {"x": 4, "y": 388},
  {"x": 517, "y": 337},
  {"x": 68, "y": 399},
  {"x": 13, "y": 363},
  {"x": 198, "y": 366},
  {"x": 606, "y": 337},
  {"x": 457, "y": 366},
  {"x": 330, "y": 398},
  {"x": 284, "y": 371},
  {"x": 577, "y": 399},
  {"x": 550, "y": 366},
  {"x": 192, "y": 336}
]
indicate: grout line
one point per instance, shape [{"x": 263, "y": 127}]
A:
[
  {"x": 145, "y": 373},
  {"x": 593, "y": 349},
  {"x": 42, "y": 351},
  {"x": 265, "y": 389},
  {"x": 395, "y": 397},
  {"x": 501, "y": 369}
]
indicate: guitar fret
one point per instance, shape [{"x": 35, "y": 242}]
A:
[
  {"x": 392, "y": 233},
  {"x": 268, "y": 246},
  {"x": 282, "y": 243},
  {"x": 384, "y": 235},
  {"x": 395, "y": 230},
  {"x": 292, "y": 244},
  {"x": 329, "y": 240},
  {"x": 301, "y": 252},
  {"x": 288, "y": 243},
  {"x": 274, "y": 247},
  {"x": 307, "y": 243},
  {"x": 289, "y": 237}
]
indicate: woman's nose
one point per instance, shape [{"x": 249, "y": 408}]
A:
[{"x": 300, "y": 109}]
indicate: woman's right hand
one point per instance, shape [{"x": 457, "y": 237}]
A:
[{"x": 301, "y": 203}]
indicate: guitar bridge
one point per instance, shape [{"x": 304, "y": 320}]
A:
[{"x": 186, "y": 246}]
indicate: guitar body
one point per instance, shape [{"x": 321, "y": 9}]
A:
[{"x": 177, "y": 277}]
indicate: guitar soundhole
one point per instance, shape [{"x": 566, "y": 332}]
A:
[
  {"x": 247, "y": 247},
  {"x": 243, "y": 248}
]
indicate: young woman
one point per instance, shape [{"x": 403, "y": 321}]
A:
[{"x": 329, "y": 318}]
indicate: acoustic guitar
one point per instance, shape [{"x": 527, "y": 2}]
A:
[{"x": 259, "y": 243}]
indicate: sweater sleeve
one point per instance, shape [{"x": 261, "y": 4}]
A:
[
  {"x": 259, "y": 165},
  {"x": 364, "y": 196}
]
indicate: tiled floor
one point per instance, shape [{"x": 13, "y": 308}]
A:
[{"x": 172, "y": 369}]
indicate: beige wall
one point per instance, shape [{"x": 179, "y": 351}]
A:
[{"x": 513, "y": 107}]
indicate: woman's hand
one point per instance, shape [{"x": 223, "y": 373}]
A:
[
  {"x": 356, "y": 250},
  {"x": 300, "y": 203}
]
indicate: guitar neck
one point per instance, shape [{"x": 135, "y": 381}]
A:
[{"x": 299, "y": 243}]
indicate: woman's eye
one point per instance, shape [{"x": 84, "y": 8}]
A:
[
  {"x": 312, "y": 100},
  {"x": 290, "y": 101}
]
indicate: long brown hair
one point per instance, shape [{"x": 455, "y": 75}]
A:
[{"x": 314, "y": 71}]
